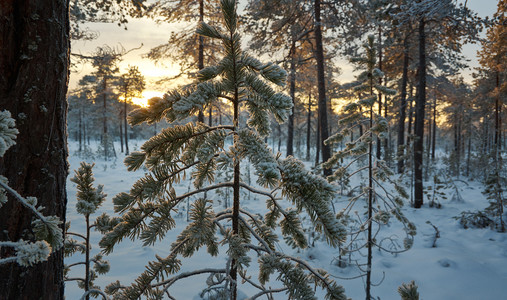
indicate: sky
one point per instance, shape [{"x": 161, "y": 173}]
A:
[{"x": 150, "y": 34}]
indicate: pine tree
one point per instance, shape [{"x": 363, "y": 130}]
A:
[
  {"x": 381, "y": 205},
  {"x": 89, "y": 200},
  {"x": 454, "y": 24},
  {"x": 199, "y": 151}
]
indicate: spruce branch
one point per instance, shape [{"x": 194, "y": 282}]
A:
[{"x": 45, "y": 227}]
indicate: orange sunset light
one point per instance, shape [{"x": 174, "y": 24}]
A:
[{"x": 143, "y": 101}]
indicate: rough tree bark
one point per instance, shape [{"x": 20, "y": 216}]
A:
[
  {"x": 403, "y": 109},
  {"x": 319, "y": 55},
  {"x": 379, "y": 145},
  {"x": 200, "y": 59},
  {"x": 34, "y": 64},
  {"x": 292, "y": 92},
  {"x": 419, "y": 118},
  {"x": 308, "y": 126}
]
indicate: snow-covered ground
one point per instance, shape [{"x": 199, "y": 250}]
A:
[{"x": 465, "y": 264}]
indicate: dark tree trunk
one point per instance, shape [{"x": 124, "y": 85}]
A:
[
  {"x": 370, "y": 242},
  {"x": 200, "y": 59},
  {"x": 279, "y": 137},
  {"x": 34, "y": 64},
  {"x": 430, "y": 132},
  {"x": 292, "y": 92},
  {"x": 317, "y": 142},
  {"x": 403, "y": 108},
  {"x": 434, "y": 131},
  {"x": 379, "y": 146},
  {"x": 309, "y": 127},
  {"x": 319, "y": 55},
  {"x": 497, "y": 114},
  {"x": 210, "y": 116},
  {"x": 121, "y": 131},
  {"x": 87, "y": 257},
  {"x": 469, "y": 149},
  {"x": 419, "y": 118},
  {"x": 126, "y": 125},
  {"x": 104, "y": 118},
  {"x": 81, "y": 128},
  {"x": 410, "y": 114},
  {"x": 236, "y": 181},
  {"x": 458, "y": 146}
]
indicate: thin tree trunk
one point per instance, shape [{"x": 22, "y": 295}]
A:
[
  {"x": 309, "y": 127},
  {"x": 292, "y": 94},
  {"x": 236, "y": 177},
  {"x": 87, "y": 257},
  {"x": 403, "y": 108},
  {"x": 434, "y": 131},
  {"x": 379, "y": 146},
  {"x": 469, "y": 149},
  {"x": 37, "y": 165},
  {"x": 317, "y": 142},
  {"x": 279, "y": 137},
  {"x": 419, "y": 119},
  {"x": 121, "y": 131},
  {"x": 319, "y": 55},
  {"x": 105, "y": 139},
  {"x": 410, "y": 114},
  {"x": 497, "y": 113},
  {"x": 458, "y": 150},
  {"x": 200, "y": 59},
  {"x": 126, "y": 125},
  {"x": 428, "y": 141},
  {"x": 210, "y": 116},
  {"x": 370, "y": 203},
  {"x": 80, "y": 128}
]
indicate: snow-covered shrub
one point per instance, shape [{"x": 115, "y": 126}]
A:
[
  {"x": 89, "y": 200},
  {"x": 380, "y": 203}
]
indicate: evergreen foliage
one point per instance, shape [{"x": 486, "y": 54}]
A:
[
  {"x": 494, "y": 191},
  {"x": 408, "y": 291},
  {"x": 89, "y": 200},
  {"x": 198, "y": 151}
]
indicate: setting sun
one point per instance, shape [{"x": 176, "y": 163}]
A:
[{"x": 143, "y": 101}]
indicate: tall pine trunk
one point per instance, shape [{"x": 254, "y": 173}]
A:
[
  {"x": 121, "y": 130},
  {"x": 419, "y": 118},
  {"x": 370, "y": 202},
  {"x": 236, "y": 176},
  {"x": 319, "y": 55},
  {"x": 33, "y": 87},
  {"x": 434, "y": 132},
  {"x": 379, "y": 145},
  {"x": 497, "y": 114},
  {"x": 292, "y": 92},
  {"x": 403, "y": 108},
  {"x": 105, "y": 139},
  {"x": 309, "y": 127},
  {"x": 126, "y": 125},
  {"x": 200, "y": 58}
]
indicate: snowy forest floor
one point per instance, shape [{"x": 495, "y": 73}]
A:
[{"x": 465, "y": 264}]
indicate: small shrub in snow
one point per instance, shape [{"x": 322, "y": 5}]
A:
[
  {"x": 89, "y": 200},
  {"x": 477, "y": 219}
]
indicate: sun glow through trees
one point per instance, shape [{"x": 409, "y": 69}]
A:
[{"x": 143, "y": 101}]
